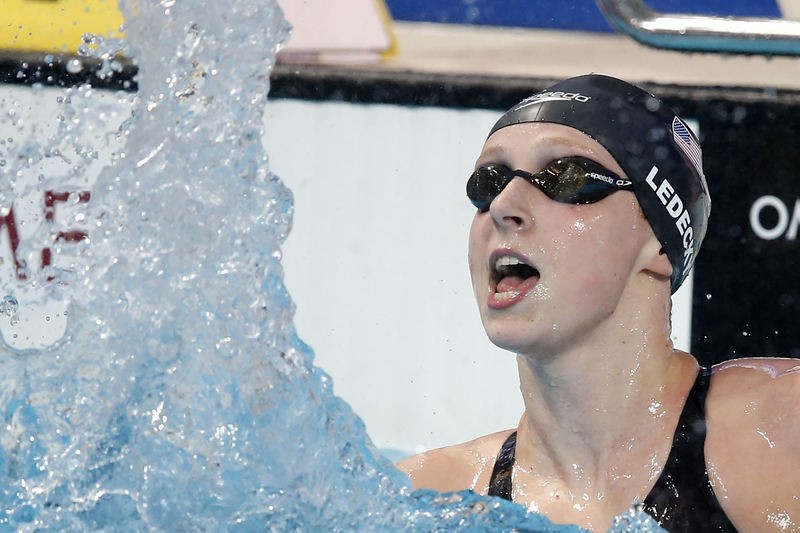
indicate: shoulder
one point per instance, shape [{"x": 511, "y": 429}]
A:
[
  {"x": 758, "y": 399},
  {"x": 753, "y": 444},
  {"x": 766, "y": 386},
  {"x": 453, "y": 468}
]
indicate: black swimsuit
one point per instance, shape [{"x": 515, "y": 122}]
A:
[{"x": 682, "y": 499}]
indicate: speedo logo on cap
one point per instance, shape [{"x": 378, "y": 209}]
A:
[{"x": 553, "y": 96}]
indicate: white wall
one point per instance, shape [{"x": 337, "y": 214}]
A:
[{"x": 376, "y": 262}]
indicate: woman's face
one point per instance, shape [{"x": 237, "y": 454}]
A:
[{"x": 582, "y": 256}]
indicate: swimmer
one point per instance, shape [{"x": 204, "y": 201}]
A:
[{"x": 591, "y": 208}]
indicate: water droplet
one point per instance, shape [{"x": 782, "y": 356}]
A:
[
  {"x": 655, "y": 408},
  {"x": 74, "y": 66},
  {"x": 708, "y": 296}
]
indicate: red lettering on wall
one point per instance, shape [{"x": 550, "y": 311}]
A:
[
  {"x": 7, "y": 221},
  {"x": 51, "y": 198}
]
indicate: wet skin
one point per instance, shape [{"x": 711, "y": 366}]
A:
[{"x": 603, "y": 386}]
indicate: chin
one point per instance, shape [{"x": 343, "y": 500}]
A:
[
  {"x": 512, "y": 341},
  {"x": 528, "y": 336}
]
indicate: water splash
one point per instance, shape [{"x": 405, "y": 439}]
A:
[{"x": 180, "y": 394}]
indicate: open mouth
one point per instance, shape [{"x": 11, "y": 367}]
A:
[{"x": 511, "y": 278}]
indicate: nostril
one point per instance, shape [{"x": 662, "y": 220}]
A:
[{"x": 514, "y": 219}]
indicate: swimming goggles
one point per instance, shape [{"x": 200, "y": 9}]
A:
[{"x": 570, "y": 180}]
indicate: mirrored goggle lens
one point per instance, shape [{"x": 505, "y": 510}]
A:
[
  {"x": 574, "y": 180},
  {"x": 561, "y": 180},
  {"x": 486, "y": 183}
]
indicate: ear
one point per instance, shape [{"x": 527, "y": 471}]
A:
[{"x": 654, "y": 259}]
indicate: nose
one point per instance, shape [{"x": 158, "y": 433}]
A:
[{"x": 513, "y": 208}]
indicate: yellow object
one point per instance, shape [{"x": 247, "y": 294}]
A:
[
  {"x": 386, "y": 18},
  {"x": 55, "y": 26}
]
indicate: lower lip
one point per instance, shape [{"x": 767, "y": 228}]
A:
[{"x": 512, "y": 297}]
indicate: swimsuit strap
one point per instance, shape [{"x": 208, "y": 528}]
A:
[
  {"x": 500, "y": 482},
  {"x": 682, "y": 498}
]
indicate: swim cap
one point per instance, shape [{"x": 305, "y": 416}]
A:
[{"x": 655, "y": 148}]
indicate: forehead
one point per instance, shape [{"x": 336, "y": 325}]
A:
[{"x": 534, "y": 144}]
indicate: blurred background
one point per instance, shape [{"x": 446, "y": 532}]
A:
[{"x": 377, "y": 112}]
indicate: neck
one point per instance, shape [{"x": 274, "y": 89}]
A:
[{"x": 601, "y": 412}]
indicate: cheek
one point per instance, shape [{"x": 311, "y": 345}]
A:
[
  {"x": 581, "y": 243},
  {"x": 594, "y": 257},
  {"x": 589, "y": 285}
]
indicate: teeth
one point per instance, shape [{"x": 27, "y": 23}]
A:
[
  {"x": 503, "y": 296},
  {"x": 506, "y": 260}
]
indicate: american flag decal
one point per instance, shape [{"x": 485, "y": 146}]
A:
[{"x": 685, "y": 141}]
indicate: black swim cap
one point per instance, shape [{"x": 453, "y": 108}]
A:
[{"x": 655, "y": 148}]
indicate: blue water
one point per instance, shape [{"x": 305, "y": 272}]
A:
[{"x": 180, "y": 397}]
